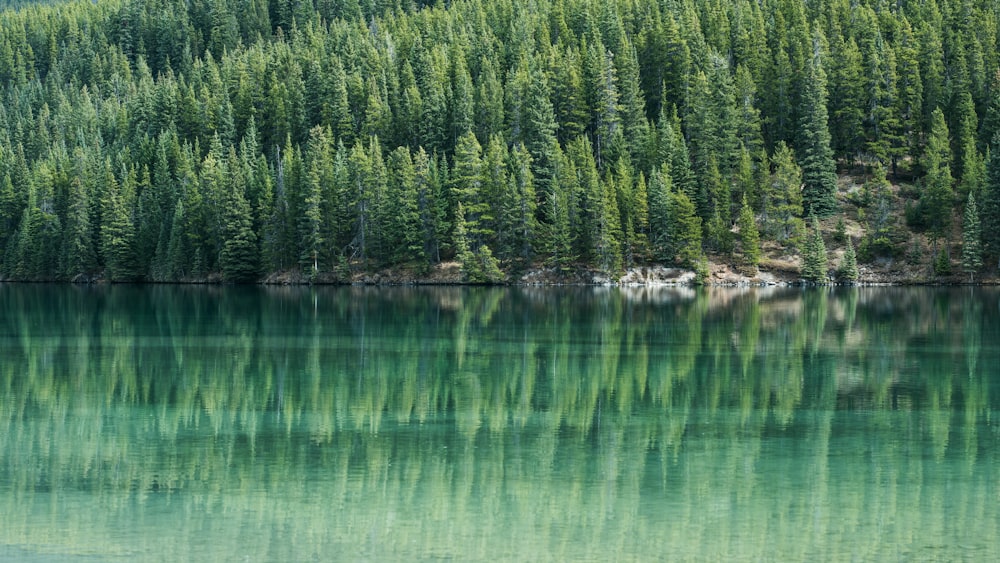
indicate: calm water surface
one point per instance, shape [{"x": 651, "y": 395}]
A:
[{"x": 227, "y": 424}]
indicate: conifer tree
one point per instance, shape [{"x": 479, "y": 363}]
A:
[
  {"x": 849, "y": 267},
  {"x": 749, "y": 238},
  {"x": 177, "y": 252},
  {"x": 560, "y": 243},
  {"x": 659, "y": 214},
  {"x": 783, "y": 205},
  {"x": 467, "y": 180},
  {"x": 430, "y": 220},
  {"x": 602, "y": 94},
  {"x": 936, "y": 199},
  {"x": 972, "y": 255},
  {"x": 814, "y": 255},
  {"x": 608, "y": 238},
  {"x": 877, "y": 196},
  {"x": 685, "y": 230},
  {"x": 117, "y": 231},
  {"x": 989, "y": 210},
  {"x": 479, "y": 265},
  {"x": 748, "y": 125},
  {"x": 819, "y": 176},
  {"x": 909, "y": 90},
  {"x": 489, "y": 102},
  {"x": 239, "y": 259},
  {"x": 520, "y": 205},
  {"x": 310, "y": 221},
  {"x": 405, "y": 235},
  {"x": 672, "y": 152},
  {"x": 635, "y": 127},
  {"x": 78, "y": 250},
  {"x": 360, "y": 166},
  {"x": 846, "y": 94}
]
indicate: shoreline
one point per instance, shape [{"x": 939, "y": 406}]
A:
[{"x": 449, "y": 274}]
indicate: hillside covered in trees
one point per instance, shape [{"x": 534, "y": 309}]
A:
[{"x": 169, "y": 140}]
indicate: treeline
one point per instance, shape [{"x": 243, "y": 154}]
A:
[{"x": 165, "y": 140}]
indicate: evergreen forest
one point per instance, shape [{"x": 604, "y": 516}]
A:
[{"x": 169, "y": 140}]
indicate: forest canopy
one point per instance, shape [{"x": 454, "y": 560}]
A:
[{"x": 169, "y": 140}]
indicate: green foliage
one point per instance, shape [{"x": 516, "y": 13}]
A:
[
  {"x": 749, "y": 237},
  {"x": 117, "y": 230},
  {"x": 814, "y": 258},
  {"x": 478, "y": 264},
  {"x": 942, "y": 262},
  {"x": 128, "y": 129},
  {"x": 935, "y": 208},
  {"x": 783, "y": 197},
  {"x": 840, "y": 230},
  {"x": 972, "y": 252},
  {"x": 685, "y": 230},
  {"x": 239, "y": 260},
  {"x": 848, "y": 270},
  {"x": 819, "y": 176},
  {"x": 989, "y": 211}
]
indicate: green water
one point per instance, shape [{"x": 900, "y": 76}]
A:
[{"x": 364, "y": 424}]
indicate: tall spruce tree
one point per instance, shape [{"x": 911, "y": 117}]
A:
[
  {"x": 819, "y": 176},
  {"x": 117, "y": 229},
  {"x": 783, "y": 197},
  {"x": 239, "y": 259},
  {"x": 972, "y": 250},
  {"x": 749, "y": 238},
  {"x": 814, "y": 258},
  {"x": 848, "y": 270},
  {"x": 684, "y": 237},
  {"x": 936, "y": 197},
  {"x": 989, "y": 210}
]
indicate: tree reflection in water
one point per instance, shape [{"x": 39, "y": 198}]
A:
[{"x": 586, "y": 423}]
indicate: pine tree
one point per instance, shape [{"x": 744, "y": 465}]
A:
[
  {"x": 478, "y": 265},
  {"x": 748, "y": 124},
  {"x": 814, "y": 255},
  {"x": 972, "y": 254},
  {"x": 360, "y": 166},
  {"x": 849, "y": 266},
  {"x": 659, "y": 214},
  {"x": 520, "y": 205},
  {"x": 846, "y": 93},
  {"x": 937, "y": 195},
  {"x": 672, "y": 152},
  {"x": 406, "y": 238},
  {"x": 431, "y": 221},
  {"x": 989, "y": 211},
  {"x": 467, "y": 186},
  {"x": 635, "y": 127},
  {"x": 489, "y": 102},
  {"x": 783, "y": 197},
  {"x": 909, "y": 89},
  {"x": 78, "y": 252},
  {"x": 749, "y": 238},
  {"x": 117, "y": 232},
  {"x": 560, "y": 241},
  {"x": 239, "y": 259},
  {"x": 608, "y": 237},
  {"x": 877, "y": 197},
  {"x": 819, "y": 176},
  {"x": 602, "y": 95},
  {"x": 310, "y": 219},
  {"x": 177, "y": 251},
  {"x": 942, "y": 262},
  {"x": 685, "y": 230}
]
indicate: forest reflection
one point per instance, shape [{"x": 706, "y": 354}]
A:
[{"x": 380, "y": 422}]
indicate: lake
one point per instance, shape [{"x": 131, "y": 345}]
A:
[{"x": 182, "y": 423}]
